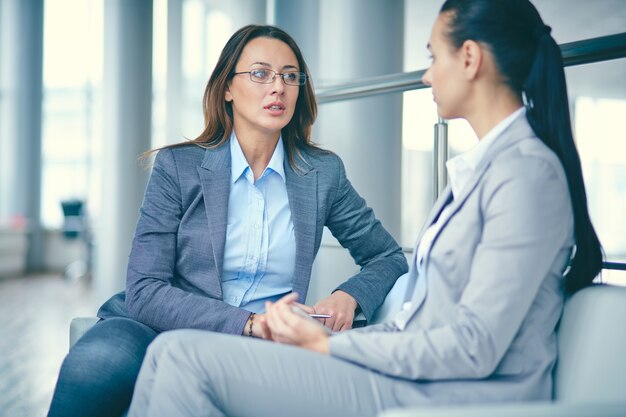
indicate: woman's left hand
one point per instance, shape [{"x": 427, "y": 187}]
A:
[
  {"x": 341, "y": 306},
  {"x": 287, "y": 326}
]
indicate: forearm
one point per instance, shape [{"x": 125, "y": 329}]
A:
[
  {"x": 370, "y": 286},
  {"x": 164, "y": 307},
  {"x": 435, "y": 354}
]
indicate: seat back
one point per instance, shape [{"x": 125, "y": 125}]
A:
[
  {"x": 592, "y": 347},
  {"x": 79, "y": 326}
]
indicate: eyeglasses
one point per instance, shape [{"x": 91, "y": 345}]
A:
[{"x": 267, "y": 76}]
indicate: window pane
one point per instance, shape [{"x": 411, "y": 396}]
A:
[
  {"x": 418, "y": 135},
  {"x": 72, "y": 105},
  {"x": 598, "y": 94}
]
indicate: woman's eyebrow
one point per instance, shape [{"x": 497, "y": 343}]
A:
[{"x": 265, "y": 64}]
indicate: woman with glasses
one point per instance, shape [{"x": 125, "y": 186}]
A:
[
  {"x": 230, "y": 221},
  {"x": 493, "y": 264}
]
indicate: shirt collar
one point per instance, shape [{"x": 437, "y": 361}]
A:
[
  {"x": 239, "y": 165},
  {"x": 461, "y": 167}
]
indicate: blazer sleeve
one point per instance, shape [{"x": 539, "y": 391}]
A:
[
  {"x": 356, "y": 228},
  {"x": 150, "y": 296},
  {"x": 527, "y": 222}
]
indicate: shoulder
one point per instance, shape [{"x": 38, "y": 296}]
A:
[
  {"x": 528, "y": 171},
  {"x": 522, "y": 154},
  {"x": 529, "y": 158},
  {"x": 319, "y": 159},
  {"x": 179, "y": 156}
]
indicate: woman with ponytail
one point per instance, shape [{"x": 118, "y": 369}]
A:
[{"x": 503, "y": 246}]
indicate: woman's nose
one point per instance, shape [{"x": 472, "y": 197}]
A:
[
  {"x": 426, "y": 77},
  {"x": 278, "y": 84}
]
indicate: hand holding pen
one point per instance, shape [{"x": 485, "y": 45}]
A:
[
  {"x": 311, "y": 311},
  {"x": 288, "y": 323}
]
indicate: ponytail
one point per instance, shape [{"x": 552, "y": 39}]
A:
[{"x": 548, "y": 114}]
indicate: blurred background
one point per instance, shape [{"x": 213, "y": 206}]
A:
[{"x": 86, "y": 86}]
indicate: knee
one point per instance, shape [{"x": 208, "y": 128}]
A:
[
  {"x": 178, "y": 346},
  {"x": 165, "y": 342},
  {"x": 112, "y": 347}
]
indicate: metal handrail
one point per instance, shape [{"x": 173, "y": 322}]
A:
[
  {"x": 586, "y": 51},
  {"x": 372, "y": 86},
  {"x": 593, "y": 50},
  {"x": 440, "y": 151},
  {"x": 618, "y": 266}
]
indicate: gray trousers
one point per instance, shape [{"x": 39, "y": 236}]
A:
[{"x": 199, "y": 373}]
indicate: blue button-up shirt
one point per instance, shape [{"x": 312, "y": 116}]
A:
[{"x": 260, "y": 250}]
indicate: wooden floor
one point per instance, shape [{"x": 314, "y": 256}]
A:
[{"x": 35, "y": 313}]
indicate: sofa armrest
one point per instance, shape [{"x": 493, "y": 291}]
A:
[
  {"x": 543, "y": 409},
  {"x": 79, "y": 327}
]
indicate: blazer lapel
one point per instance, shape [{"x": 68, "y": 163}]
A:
[
  {"x": 215, "y": 180},
  {"x": 435, "y": 212},
  {"x": 302, "y": 194},
  {"x": 441, "y": 202},
  {"x": 516, "y": 132}
]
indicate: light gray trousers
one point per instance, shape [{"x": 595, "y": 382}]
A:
[{"x": 199, "y": 373}]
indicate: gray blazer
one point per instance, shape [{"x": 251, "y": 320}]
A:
[
  {"x": 485, "y": 330},
  {"x": 175, "y": 264}
]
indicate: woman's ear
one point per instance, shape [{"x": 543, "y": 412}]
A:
[
  {"x": 472, "y": 56},
  {"x": 227, "y": 95}
]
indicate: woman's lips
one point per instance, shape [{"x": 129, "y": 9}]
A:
[{"x": 275, "y": 108}]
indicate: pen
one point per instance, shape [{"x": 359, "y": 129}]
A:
[{"x": 320, "y": 316}]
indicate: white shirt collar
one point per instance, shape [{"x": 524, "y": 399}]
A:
[
  {"x": 239, "y": 165},
  {"x": 461, "y": 167}
]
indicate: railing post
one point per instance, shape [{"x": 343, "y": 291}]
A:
[{"x": 440, "y": 156}]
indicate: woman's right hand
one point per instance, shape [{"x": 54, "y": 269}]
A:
[
  {"x": 287, "y": 326},
  {"x": 259, "y": 323}
]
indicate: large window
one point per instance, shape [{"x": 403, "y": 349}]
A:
[
  {"x": 598, "y": 96},
  {"x": 601, "y": 137},
  {"x": 205, "y": 28},
  {"x": 418, "y": 135},
  {"x": 72, "y": 106}
]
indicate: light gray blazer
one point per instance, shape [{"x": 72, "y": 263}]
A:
[
  {"x": 486, "y": 328},
  {"x": 175, "y": 265}
]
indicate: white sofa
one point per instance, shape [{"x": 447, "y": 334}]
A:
[{"x": 590, "y": 377}]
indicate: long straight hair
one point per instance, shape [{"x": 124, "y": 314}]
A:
[
  {"x": 218, "y": 113},
  {"x": 532, "y": 66}
]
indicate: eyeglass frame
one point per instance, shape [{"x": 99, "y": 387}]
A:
[{"x": 302, "y": 75}]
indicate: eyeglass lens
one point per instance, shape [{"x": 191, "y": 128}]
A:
[{"x": 265, "y": 76}]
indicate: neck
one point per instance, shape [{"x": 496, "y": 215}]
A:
[
  {"x": 258, "y": 150},
  {"x": 491, "y": 108}
]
